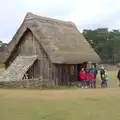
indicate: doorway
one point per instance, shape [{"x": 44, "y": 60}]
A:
[{"x": 78, "y": 70}]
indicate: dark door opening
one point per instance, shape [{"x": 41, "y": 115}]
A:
[{"x": 78, "y": 70}]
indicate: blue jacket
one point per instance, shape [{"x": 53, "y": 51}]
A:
[{"x": 94, "y": 71}]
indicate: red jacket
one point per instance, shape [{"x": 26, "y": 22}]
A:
[
  {"x": 103, "y": 78},
  {"x": 82, "y": 75},
  {"x": 91, "y": 76}
]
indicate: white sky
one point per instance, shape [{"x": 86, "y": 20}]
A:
[{"x": 86, "y": 14}]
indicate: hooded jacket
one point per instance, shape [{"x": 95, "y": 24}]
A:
[{"x": 82, "y": 75}]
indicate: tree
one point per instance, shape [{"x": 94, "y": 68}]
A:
[{"x": 105, "y": 43}]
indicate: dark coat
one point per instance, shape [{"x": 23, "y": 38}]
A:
[
  {"x": 94, "y": 71},
  {"x": 102, "y": 72},
  {"x": 118, "y": 75}
]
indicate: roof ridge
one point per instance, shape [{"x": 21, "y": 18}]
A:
[{"x": 30, "y": 15}]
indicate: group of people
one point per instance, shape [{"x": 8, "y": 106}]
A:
[{"x": 88, "y": 77}]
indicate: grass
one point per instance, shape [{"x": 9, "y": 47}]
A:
[
  {"x": 86, "y": 104},
  {"x": 71, "y": 104}
]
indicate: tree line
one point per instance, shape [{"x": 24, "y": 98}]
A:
[{"x": 105, "y": 42}]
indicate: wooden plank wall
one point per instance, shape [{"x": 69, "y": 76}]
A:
[
  {"x": 66, "y": 74},
  {"x": 43, "y": 67},
  {"x": 26, "y": 46}
]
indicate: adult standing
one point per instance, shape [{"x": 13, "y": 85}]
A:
[
  {"x": 118, "y": 74},
  {"x": 102, "y": 72},
  {"x": 95, "y": 72}
]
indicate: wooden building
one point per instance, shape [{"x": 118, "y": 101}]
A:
[{"x": 49, "y": 49}]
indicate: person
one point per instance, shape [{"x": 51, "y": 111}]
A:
[
  {"x": 82, "y": 76},
  {"x": 103, "y": 81},
  {"x": 95, "y": 72},
  {"x": 106, "y": 79},
  {"x": 102, "y": 72},
  {"x": 118, "y": 74},
  {"x": 91, "y": 78}
]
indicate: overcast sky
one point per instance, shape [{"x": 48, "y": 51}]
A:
[{"x": 86, "y": 14}]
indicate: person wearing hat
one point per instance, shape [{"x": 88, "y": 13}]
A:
[
  {"x": 102, "y": 75},
  {"x": 102, "y": 71}
]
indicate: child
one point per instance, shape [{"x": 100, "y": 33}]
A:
[
  {"x": 82, "y": 76},
  {"x": 103, "y": 81},
  {"x": 106, "y": 80},
  {"x": 91, "y": 79}
]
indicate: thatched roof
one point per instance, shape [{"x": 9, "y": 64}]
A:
[
  {"x": 17, "y": 70},
  {"x": 60, "y": 39}
]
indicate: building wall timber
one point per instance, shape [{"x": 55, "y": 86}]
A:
[
  {"x": 29, "y": 46},
  {"x": 25, "y": 46}
]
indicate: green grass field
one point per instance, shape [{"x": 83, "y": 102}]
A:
[
  {"x": 71, "y": 104},
  {"x": 86, "y": 104}
]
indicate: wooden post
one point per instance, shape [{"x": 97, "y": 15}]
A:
[
  {"x": 41, "y": 77},
  {"x": 77, "y": 72},
  {"x": 55, "y": 75},
  {"x": 39, "y": 68},
  {"x": 48, "y": 69},
  {"x": 26, "y": 77},
  {"x": 68, "y": 74},
  {"x": 60, "y": 75},
  {"x": 89, "y": 65}
]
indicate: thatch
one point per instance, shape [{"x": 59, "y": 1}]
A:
[
  {"x": 61, "y": 40},
  {"x": 18, "y": 68}
]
